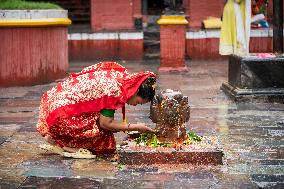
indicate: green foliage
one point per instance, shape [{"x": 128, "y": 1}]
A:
[
  {"x": 26, "y": 5},
  {"x": 121, "y": 167},
  {"x": 153, "y": 141},
  {"x": 193, "y": 136},
  {"x": 150, "y": 140}
]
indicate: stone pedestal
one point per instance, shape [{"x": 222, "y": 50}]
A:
[
  {"x": 253, "y": 78},
  {"x": 34, "y": 46},
  {"x": 205, "y": 152},
  {"x": 172, "y": 43}
]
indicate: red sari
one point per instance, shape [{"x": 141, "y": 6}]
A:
[{"x": 69, "y": 112}]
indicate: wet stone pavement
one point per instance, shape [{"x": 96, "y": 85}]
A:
[{"x": 251, "y": 135}]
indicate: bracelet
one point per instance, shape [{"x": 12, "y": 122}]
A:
[{"x": 128, "y": 125}]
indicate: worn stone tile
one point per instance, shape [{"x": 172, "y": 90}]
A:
[
  {"x": 27, "y": 137},
  {"x": 158, "y": 176},
  {"x": 7, "y": 130},
  {"x": 234, "y": 181},
  {"x": 47, "y": 167},
  {"x": 196, "y": 184},
  {"x": 19, "y": 102},
  {"x": 2, "y": 139},
  {"x": 13, "y": 154},
  {"x": 268, "y": 181},
  {"x": 16, "y": 109},
  {"x": 11, "y": 176},
  {"x": 59, "y": 183},
  {"x": 94, "y": 168},
  {"x": 271, "y": 162},
  {"x": 201, "y": 175},
  {"x": 15, "y": 117},
  {"x": 28, "y": 128},
  {"x": 21, "y": 92},
  {"x": 9, "y": 184},
  {"x": 137, "y": 173},
  {"x": 129, "y": 184}
]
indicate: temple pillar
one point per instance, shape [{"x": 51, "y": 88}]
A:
[{"x": 172, "y": 42}]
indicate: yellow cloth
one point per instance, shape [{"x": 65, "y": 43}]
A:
[
  {"x": 230, "y": 42},
  {"x": 212, "y": 22}
]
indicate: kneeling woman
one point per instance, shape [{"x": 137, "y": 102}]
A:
[{"x": 79, "y": 112}]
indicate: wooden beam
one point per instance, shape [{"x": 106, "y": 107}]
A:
[{"x": 278, "y": 26}]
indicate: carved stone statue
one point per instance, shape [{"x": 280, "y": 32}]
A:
[{"x": 170, "y": 110}]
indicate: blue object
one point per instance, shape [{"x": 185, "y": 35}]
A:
[{"x": 264, "y": 24}]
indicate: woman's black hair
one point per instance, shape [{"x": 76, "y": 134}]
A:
[{"x": 147, "y": 89}]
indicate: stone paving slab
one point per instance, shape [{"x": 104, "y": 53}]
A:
[
  {"x": 16, "y": 117},
  {"x": 59, "y": 183}
]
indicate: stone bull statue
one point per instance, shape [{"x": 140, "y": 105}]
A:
[{"x": 170, "y": 110}]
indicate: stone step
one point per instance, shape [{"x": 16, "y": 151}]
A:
[
  {"x": 151, "y": 56},
  {"x": 151, "y": 42},
  {"x": 151, "y": 46},
  {"x": 152, "y": 35},
  {"x": 155, "y": 52}
]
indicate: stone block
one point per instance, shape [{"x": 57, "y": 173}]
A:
[
  {"x": 206, "y": 152},
  {"x": 250, "y": 77}
]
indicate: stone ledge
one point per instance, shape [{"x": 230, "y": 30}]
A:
[
  {"x": 34, "y": 18},
  {"x": 261, "y": 95},
  {"x": 33, "y": 14}
]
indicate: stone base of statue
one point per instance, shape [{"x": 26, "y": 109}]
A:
[
  {"x": 205, "y": 152},
  {"x": 258, "y": 79}
]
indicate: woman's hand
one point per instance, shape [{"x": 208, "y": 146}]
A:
[
  {"x": 141, "y": 127},
  {"x": 115, "y": 126}
]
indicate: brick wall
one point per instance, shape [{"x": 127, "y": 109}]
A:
[
  {"x": 112, "y": 15},
  {"x": 198, "y": 10},
  {"x": 137, "y": 7}
]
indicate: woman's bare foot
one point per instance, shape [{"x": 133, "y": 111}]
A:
[
  {"x": 49, "y": 139},
  {"x": 66, "y": 149},
  {"x": 71, "y": 150}
]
